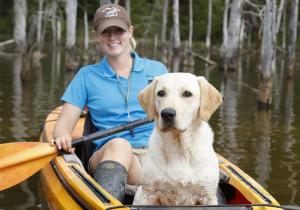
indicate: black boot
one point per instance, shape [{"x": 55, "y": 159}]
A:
[{"x": 112, "y": 176}]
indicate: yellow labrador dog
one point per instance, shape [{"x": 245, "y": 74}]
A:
[{"x": 181, "y": 167}]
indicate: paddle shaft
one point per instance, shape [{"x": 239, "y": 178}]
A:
[{"x": 111, "y": 131}]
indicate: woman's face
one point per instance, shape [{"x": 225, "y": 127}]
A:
[{"x": 114, "y": 41}]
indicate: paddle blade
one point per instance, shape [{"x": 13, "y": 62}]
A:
[{"x": 20, "y": 160}]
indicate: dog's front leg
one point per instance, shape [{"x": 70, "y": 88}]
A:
[
  {"x": 213, "y": 200},
  {"x": 145, "y": 197}
]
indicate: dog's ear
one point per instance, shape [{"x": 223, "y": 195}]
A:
[
  {"x": 210, "y": 99},
  {"x": 146, "y": 98}
]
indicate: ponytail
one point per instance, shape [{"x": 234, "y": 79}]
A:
[{"x": 132, "y": 43}]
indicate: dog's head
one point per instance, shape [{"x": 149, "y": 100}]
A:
[{"x": 175, "y": 100}]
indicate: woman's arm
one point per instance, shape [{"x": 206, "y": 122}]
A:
[{"x": 65, "y": 126}]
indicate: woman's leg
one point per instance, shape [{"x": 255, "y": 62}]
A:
[
  {"x": 118, "y": 150},
  {"x": 113, "y": 165}
]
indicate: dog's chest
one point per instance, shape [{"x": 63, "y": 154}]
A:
[{"x": 179, "y": 194}]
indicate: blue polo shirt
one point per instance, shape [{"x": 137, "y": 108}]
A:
[{"x": 97, "y": 87}]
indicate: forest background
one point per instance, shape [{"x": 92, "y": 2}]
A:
[{"x": 176, "y": 28}]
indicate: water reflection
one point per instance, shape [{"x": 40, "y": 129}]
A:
[
  {"x": 18, "y": 113},
  {"x": 228, "y": 115},
  {"x": 263, "y": 144},
  {"x": 290, "y": 141},
  {"x": 262, "y": 166}
]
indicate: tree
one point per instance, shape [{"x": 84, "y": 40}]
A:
[
  {"x": 71, "y": 16},
  {"x": 39, "y": 23},
  {"x": 86, "y": 30},
  {"x": 127, "y": 5},
  {"x": 164, "y": 21},
  {"x": 20, "y": 9},
  {"x": 268, "y": 55},
  {"x": 164, "y": 30},
  {"x": 230, "y": 47},
  {"x": 209, "y": 21},
  {"x": 176, "y": 26},
  {"x": 293, "y": 22},
  {"x": 190, "y": 40}
]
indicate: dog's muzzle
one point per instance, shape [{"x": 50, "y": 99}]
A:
[{"x": 168, "y": 115}]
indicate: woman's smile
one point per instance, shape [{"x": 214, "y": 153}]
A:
[{"x": 114, "y": 44}]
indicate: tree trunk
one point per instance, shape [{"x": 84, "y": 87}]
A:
[
  {"x": 231, "y": 48},
  {"x": 209, "y": 21},
  {"x": 164, "y": 21},
  {"x": 39, "y": 23},
  {"x": 241, "y": 35},
  {"x": 164, "y": 56},
  {"x": 283, "y": 31},
  {"x": 58, "y": 25},
  {"x": 127, "y": 6},
  {"x": 20, "y": 9},
  {"x": 292, "y": 36},
  {"x": 225, "y": 26},
  {"x": 155, "y": 46},
  {"x": 188, "y": 58},
  {"x": 176, "y": 26},
  {"x": 86, "y": 31},
  {"x": 190, "y": 41},
  {"x": 71, "y": 16},
  {"x": 53, "y": 22},
  {"x": 102, "y": 2},
  {"x": 279, "y": 15},
  {"x": 268, "y": 55},
  {"x": 71, "y": 19}
]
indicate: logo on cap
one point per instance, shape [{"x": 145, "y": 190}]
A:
[{"x": 111, "y": 11}]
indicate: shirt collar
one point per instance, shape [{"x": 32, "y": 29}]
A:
[{"x": 108, "y": 71}]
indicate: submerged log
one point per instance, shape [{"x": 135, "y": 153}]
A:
[{"x": 201, "y": 57}]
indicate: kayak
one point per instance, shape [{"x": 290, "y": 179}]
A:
[{"x": 67, "y": 185}]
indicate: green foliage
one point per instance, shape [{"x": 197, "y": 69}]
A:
[
  {"x": 6, "y": 19},
  {"x": 141, "y": 12}
]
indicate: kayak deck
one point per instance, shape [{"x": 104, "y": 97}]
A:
[{"x": 67, "y": 185}]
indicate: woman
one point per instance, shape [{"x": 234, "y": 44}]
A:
[{"x": 109, "y": 90}]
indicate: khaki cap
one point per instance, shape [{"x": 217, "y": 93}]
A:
[{"x": 111, "y": 15}]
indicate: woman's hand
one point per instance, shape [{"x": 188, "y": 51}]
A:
[
  {"x": 65, "y": 126},
  {"x": 63, "y": 142}
]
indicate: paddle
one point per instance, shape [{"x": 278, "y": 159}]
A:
[{"x": 20, "y": 160}]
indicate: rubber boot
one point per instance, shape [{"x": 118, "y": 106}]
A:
[{"x": 112, "y": 176}]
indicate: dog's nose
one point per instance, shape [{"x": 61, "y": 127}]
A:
[{"x": 168, "y": 114}]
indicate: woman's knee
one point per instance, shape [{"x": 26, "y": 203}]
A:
[
  {"x": 118, "y": 144},
  {"x": 118, "y": 150}
]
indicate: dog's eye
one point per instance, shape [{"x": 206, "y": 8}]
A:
[
  {"x": 187, "y": 94},
  {"x": 161, "y": 93}
]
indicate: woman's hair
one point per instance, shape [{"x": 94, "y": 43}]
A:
[{"x": 132, "y": 43}]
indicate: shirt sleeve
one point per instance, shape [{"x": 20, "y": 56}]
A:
[
  {"x": 76, "y": 92},
  {"x": 164, "y": 69}
]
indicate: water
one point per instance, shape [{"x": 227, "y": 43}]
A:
[{"x": 265, "y": 145}]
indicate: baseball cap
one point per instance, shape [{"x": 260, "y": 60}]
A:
[{"x": 111, "y": 15}]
